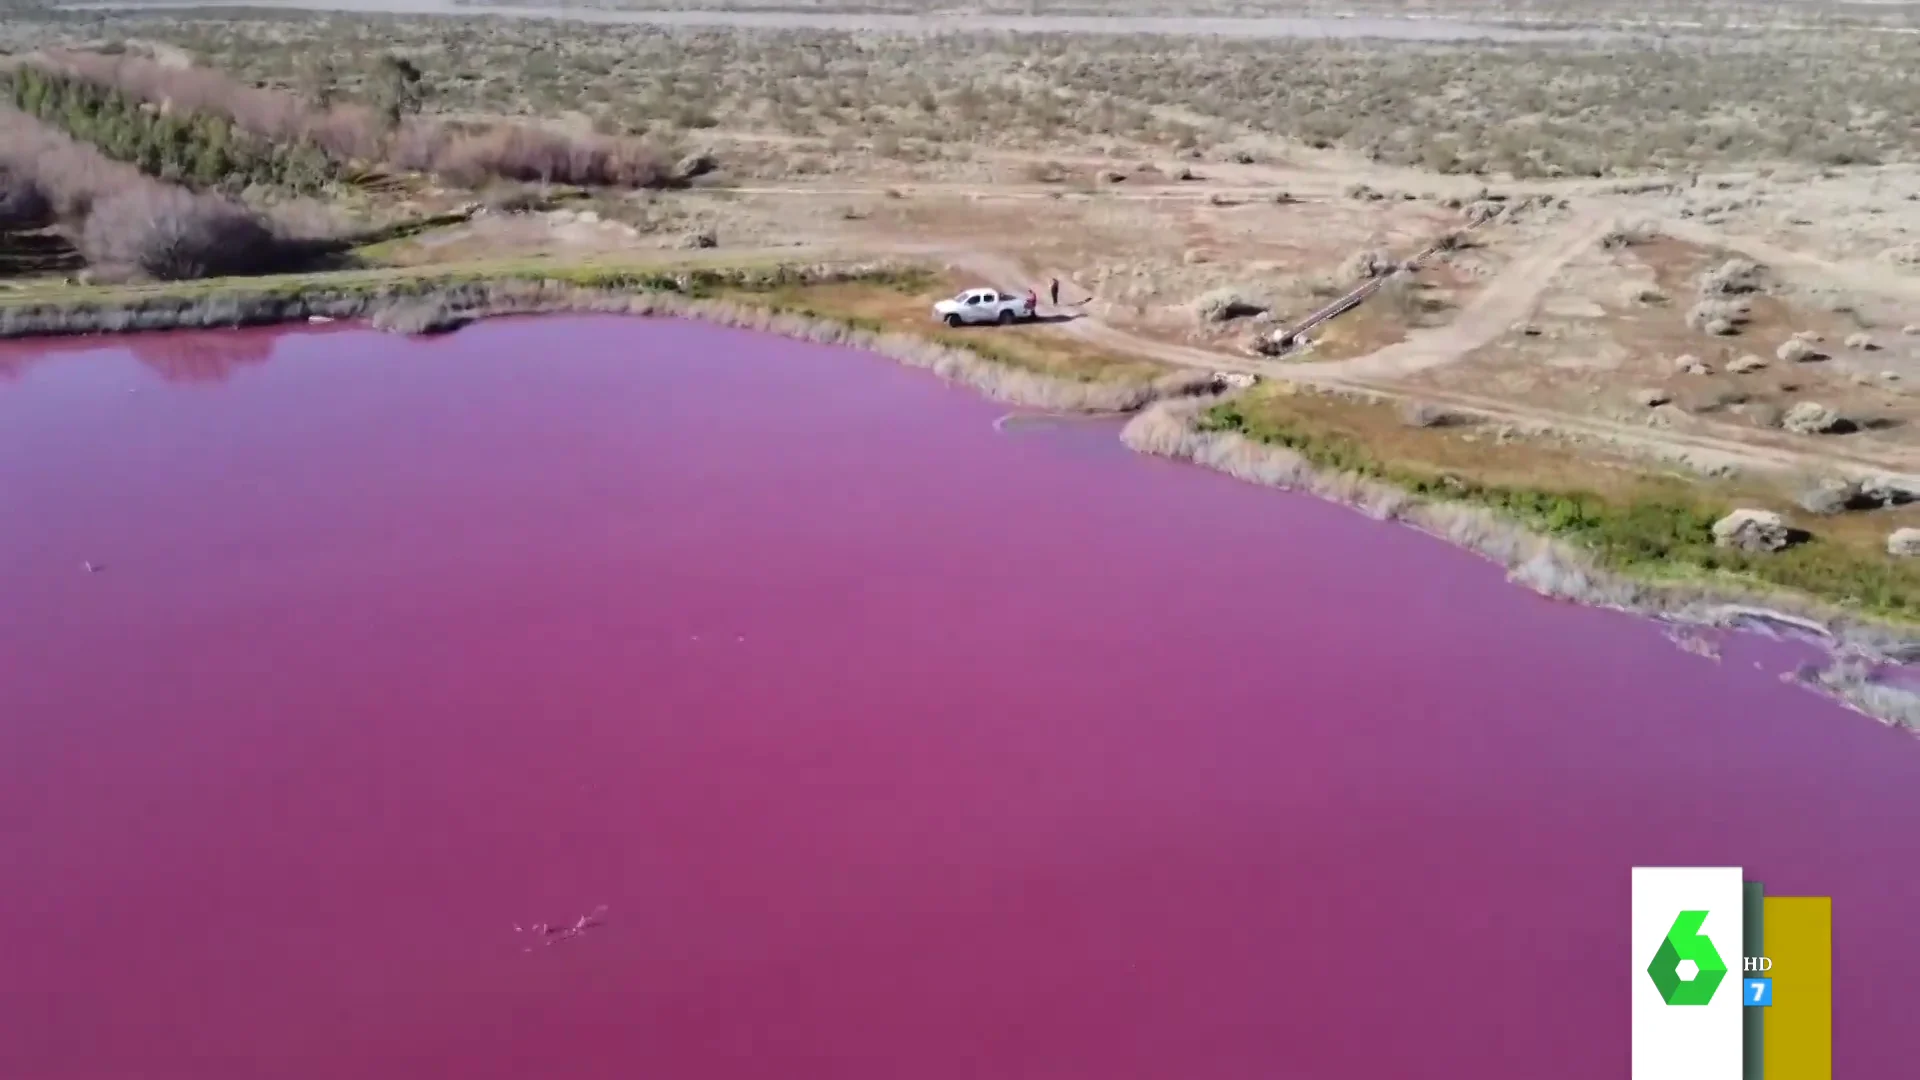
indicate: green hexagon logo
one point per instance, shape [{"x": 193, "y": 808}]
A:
[{"x": 1685, "y": 942}]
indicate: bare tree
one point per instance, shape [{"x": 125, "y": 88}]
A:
[
  {"x": 395, "y": 88},
  {"x": 172, "y": 234}
]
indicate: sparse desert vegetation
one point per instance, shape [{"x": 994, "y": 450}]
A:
[{"x": 1594, "y": 107}]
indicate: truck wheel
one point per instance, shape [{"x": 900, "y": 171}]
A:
[
  {"x": 1006, "y": 317},
  {"x": 954, "y": 321}
]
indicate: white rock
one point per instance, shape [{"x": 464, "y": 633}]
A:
[
  {"x": 1904, "y": 542},
  {"x": 1888, "y": 490},
  {"x": 1752, "y": 530},
  {"x": 1827, "y": 495},
  {"x": 1745, "y": 364},
  {"x": 1652, "y": 396}
]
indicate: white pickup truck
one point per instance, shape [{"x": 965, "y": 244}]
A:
[{"x": 984, "y": 306}]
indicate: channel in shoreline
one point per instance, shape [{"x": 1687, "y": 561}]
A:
[{"x": 1165, "y": 421}]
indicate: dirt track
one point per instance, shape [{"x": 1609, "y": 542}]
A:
[{"x": 1506, "y": 299}]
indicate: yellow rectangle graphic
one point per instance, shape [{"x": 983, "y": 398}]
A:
[{"x": 1799, "y": 941}]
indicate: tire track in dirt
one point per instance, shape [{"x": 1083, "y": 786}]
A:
[{"x": 1509, "y": 298}]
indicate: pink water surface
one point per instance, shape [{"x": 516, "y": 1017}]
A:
[{"x": 898, "y": 746}]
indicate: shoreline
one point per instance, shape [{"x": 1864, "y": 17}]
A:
[
  {"x": 1164, "y": 415},
  {"x": 452, "y": 301},
  {"x": 1562, "y": 571}
]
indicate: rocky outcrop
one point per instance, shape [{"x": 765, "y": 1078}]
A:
[{"x": 1752, "y": 530}]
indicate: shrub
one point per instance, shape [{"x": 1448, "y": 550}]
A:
[
  {"x": 1796, "y": 350},
  {"x": 1731, "y": 278},
  {"x": 537, "y": 155},
  {"x": 1228, "y": 304},
  {"x": 128, "y": 220},
  {"x": 67, "y": 174},
  {"x": 1627, "y": 234},
  {"x": 22, "y": 204},
  {"x": 1425, "y": 414},
  {"x": 1367, "y": 264},
  {"x": 171, "y": 234},
  {"x": 343, "y": 132},
  {"x": 1719, "y": 317},
  {"x": 212, "y": 130}
]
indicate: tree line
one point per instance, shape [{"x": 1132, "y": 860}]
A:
[{"x": 199, "y": 150}]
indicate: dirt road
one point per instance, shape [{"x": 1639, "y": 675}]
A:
[{"x": 1506, "y": 299}]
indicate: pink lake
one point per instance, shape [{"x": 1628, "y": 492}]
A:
[{"x": 896, "y": 745}]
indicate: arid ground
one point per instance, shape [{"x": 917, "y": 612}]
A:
[{"x": 1653, "y": 263}]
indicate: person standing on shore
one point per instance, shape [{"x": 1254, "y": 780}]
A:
[{"x": 1053, "y": 291}]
